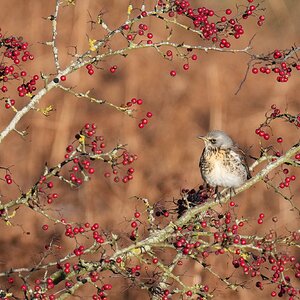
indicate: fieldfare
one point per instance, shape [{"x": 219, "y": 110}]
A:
[{"x": 222, "y": 162}]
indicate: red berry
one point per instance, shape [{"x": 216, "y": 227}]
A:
[
  {"x": 113, "y": 69},
  {"x": 203, "y": 224},
  {"x": 45, "y": 227},
  {"x": 10, "y": 280},
  {"x": 155, "y": 260},
  {"x": 91, "y": 170},
  {"x": 257, "y": 131},
  {"x": 134, "y": 224},
  {"x": 169, "y": 53},
  {"x": 4, "y": 89},
  {"x": 50, "y": 185},
  {"x": 186, "y": 66},
  {"x": 279, "y": 140},
  {"x": 63, "y": 78},
  {"x": 173, "y": 73}
]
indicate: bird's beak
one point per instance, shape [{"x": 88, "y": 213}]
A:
[{"x": 202, "y": 137}]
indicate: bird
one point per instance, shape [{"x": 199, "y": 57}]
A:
[{"x": 223, "y": 163}]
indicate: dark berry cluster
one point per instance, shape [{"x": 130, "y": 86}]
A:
[{"x": 191, "y": 198}]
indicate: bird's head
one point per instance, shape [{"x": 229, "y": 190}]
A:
[{"x": 217, "y": 139}]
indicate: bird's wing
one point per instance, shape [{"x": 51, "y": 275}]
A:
[{"x": 243, "y": 160}]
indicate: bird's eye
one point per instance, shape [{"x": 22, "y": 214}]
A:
[{"x": 213, "y": 141}]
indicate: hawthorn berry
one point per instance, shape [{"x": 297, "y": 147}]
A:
[
  {"x": 134, "y": 224},
  {"x": 173, "y": 73},
  {"x": 186, "y": 66},
  {"x": 155, "y": 260}
]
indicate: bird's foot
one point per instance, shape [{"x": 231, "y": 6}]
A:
[
  {"x": 217, "y": 195},
  {"x": 232, "y": 192}
]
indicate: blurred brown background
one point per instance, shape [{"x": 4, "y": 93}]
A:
[{"x": 189, "y": 104}]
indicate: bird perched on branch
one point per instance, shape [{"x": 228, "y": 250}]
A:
[{"x": 222, "y": 162}]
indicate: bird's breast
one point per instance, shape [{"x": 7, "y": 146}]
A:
[{"x": 222, "y": 168}]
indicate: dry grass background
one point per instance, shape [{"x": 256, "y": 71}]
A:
[{"x": 183, "y": 107}]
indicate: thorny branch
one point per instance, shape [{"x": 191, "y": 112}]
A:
[
  {"x": 93, "y": 56},
  {"x": 157, "y": 239}
]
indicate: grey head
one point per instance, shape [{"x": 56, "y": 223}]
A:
[{"x": 217, "y": 139}]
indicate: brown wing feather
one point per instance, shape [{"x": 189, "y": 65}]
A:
[{"x": 243, "y": 160}]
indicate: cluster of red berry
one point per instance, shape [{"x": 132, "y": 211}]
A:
[
  {"x": 90, "y": 69},
  {"x": 8, "y": 178},
  {"x": 14, "y": 54},
  {"x": 212, "y": 27},
  {"x": 275, "y": 113},
  {"x": 279, "y": 65},
  {"x": 125, "y": 159},
  {"x": 287, "y": 179},
  {"x": 217, "y": 26},
  {"x": 144, "y": 121},
  {"x": 186, "y": 66},
  {"x": 226, "y": 231},
  {"x": 141, "y": 32}
]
